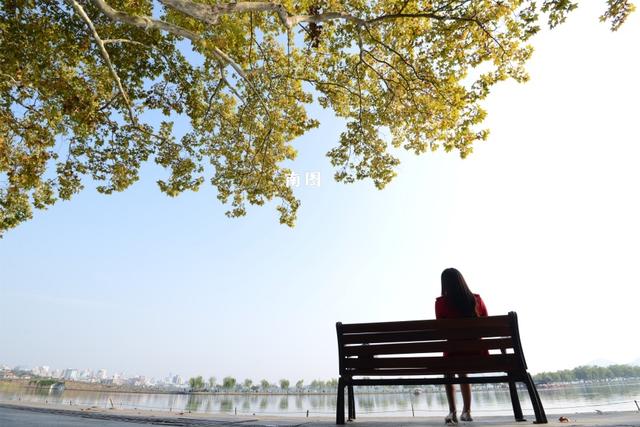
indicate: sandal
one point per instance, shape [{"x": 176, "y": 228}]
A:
[
  {"x": 451, "y": 419},
  {"x": 466, "y": 416}
]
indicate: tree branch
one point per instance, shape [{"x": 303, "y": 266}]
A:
[
  {"x": 107, "y": 41},
  {"x": 105, "y": 55},
  {"x": 147, "y": 23},
  {"x": 144, "y": 22},
  {"x": 211, "y": 13}
]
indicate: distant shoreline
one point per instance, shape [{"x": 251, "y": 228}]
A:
[{"x": 103, "y": 388}]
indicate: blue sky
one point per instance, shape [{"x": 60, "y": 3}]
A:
[{"x": 541, "y": 219}]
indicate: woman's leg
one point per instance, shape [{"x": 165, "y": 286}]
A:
[
  {"x": 451, "y": 397},
  {"x": 466, "y": 397},
  {"x": 466, "y": 401},
  {"x": 452, "y": 418}
]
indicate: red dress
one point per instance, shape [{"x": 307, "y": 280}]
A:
[{"x": 446, "y": 310}]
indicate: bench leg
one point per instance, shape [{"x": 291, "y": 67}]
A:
[
  {"x": 541, "y": 417},
  {"x": 352, "y": 403},
  {"x": 340, "y": 403},
  {"x": 515, "y": 402}
]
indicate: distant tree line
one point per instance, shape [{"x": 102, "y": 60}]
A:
[
  {"x": 46, "y": 382},
  {"x": 230, "y": 384},
  {"x": 588, "y": 373}
]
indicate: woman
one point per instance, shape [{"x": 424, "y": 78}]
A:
[{"x": 455, "y": 302}]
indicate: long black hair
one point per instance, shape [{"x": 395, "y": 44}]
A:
[{"x": 455, "y": 288}]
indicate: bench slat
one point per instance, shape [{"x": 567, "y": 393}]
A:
[
  {"x": 429, "y": 347},
  {"x": 424, "y": 371},
  {"x": 429, "y": 380},
  {"x": 412, "y": 325},
  {"x": 427, "y": 335},
  {"x": 500, "y": 362}
]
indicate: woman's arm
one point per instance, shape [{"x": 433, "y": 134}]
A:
[
  {"x": 441, "y": 311},
  {"x": 481, "y": 309}
]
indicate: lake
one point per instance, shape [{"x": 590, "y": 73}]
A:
[{"x": 566, "y": 399}]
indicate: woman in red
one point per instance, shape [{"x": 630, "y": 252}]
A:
[{"x": 458, "y": 301}]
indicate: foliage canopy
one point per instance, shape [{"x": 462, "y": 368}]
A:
[
  {"x": 228, "y": 383},
  {"x": 77, "y": 78},
  {"x": 196, "y": 383}
]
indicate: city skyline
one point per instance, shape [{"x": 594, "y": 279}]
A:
[
  {"x": 101, "y": 375},
  {"x": 174, "y": 378}
]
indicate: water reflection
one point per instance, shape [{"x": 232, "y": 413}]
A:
[
  {"x": 567, "y": 399},
  {"x": 226, "y": 405},
  {"x": 299, "y": 402},
  {"x": 284, "y": 403},
  {"x": 193, "y": 403},
  {"x": 264, "y": 403}
]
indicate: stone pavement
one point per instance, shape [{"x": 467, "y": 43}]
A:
[{"x": 12, "y": 415}]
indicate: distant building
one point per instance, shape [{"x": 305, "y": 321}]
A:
[
  {"x": 116, "y": 380},
  {"x": 85, "y": 375},
  {"x": 101, "y": 374},
  {"x": 70, "y": 374},
  {"x": 139, "y": 381},
  {"x": 7, "y": 374}
]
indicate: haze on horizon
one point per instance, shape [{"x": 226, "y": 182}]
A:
[{"x": 542, "y": 219}]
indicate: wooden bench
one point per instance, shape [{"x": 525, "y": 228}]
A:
[{"x": 411, "y": 353}]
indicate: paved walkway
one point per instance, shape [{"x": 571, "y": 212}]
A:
[{"x": 27, "y": 416}]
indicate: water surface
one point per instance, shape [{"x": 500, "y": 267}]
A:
[{"x": 567, "y": 399}]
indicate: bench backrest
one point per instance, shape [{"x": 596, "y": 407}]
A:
[{"x": 413, "y": 348}]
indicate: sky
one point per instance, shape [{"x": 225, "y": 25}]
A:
[{"x": 542, "y": 219}]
